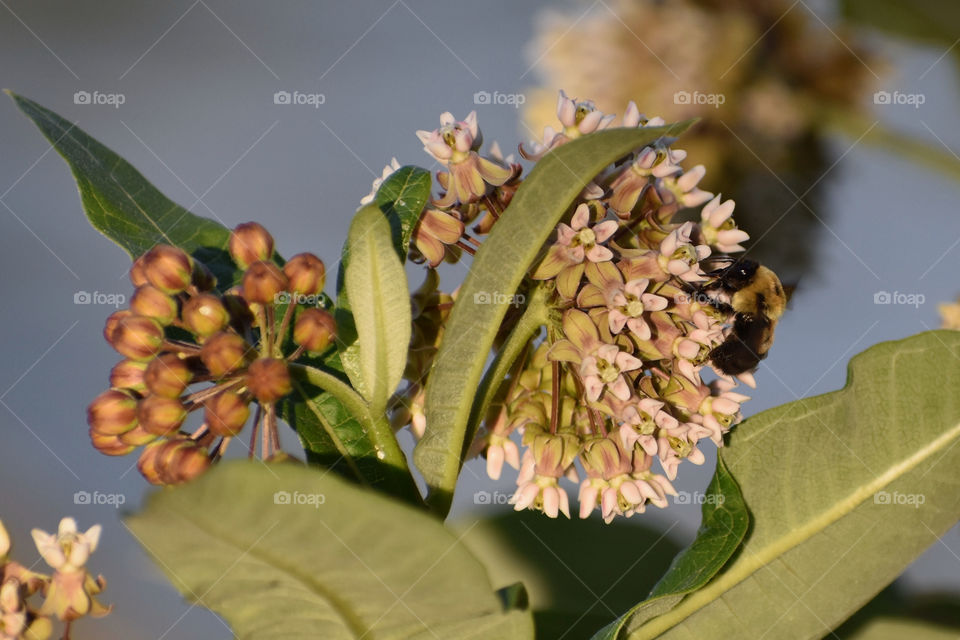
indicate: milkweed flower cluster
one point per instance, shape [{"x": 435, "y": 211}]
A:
[
  {"x": 68, "y": 594},
  {"x": 181, "y": 330},
  {"x": 611, "y": 395}
]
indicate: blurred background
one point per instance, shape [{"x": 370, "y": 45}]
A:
[{"x": 832, "y": 125}]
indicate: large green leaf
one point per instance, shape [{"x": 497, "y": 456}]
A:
[
  {"x": 845, "y": 490},
  {"x": 376, "y": 285},
  {"x": 123, "y": 205},
  {"x": 495, "y": 274},
  {"x": 723, "y": 525},
  {"x": 344, "y": 563}
]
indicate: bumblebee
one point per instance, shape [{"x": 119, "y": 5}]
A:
[{"x": 756, "y": 298}]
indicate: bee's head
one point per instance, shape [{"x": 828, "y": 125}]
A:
[{"x": 740, "y": 274}]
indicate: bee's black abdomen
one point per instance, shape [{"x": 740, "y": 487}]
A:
[{"x": 740, "y": 352}]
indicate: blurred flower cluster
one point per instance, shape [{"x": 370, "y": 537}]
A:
[
  {"x": 766, "y": 77},
  {"x": 614, "y": 384},
  {"x": 180, "y": 330},
  {"x": 68, "y": 594}
]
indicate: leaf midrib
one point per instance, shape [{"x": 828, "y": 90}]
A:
[{"x": 783, "y": 544}]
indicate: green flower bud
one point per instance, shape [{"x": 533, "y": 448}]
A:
[
  {"x": 205, "y": 314},
  {"x": 151, "y": 302},
  {"x": 161, "y": 416},
  {"x": 224, "y": 353},
  {"x": 306, "y": 274},
  {"x": 314, "y": 330},
  {"x": 167, "y": 376},
  {"x": 128, "y": 374},
  {"x": 250, "y": 243},
  {"x": 136, "y": 337},
  {"x": 262, "y": 281},
  {"x": 269, "y": 379},
  {"x": 137, "y": 437},
  {"x": 226, "y": 413},
  {"x": 168, "y": 268},
  {"x": 112, "y": 412}
]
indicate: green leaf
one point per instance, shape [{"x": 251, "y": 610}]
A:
[
  {"x": 376, "y": 286},
  {"x": 401, "y": 197},
  {"x": 845, "y": 490},
  {"x": 930, "y": 21},
  {"x": 723, "y": 525},
  {"x": 898, "y": 628},
  {"x": 337, "y": 562},
  {"x": 498, "y": 268},
  {"x": 122, "y": 205}
]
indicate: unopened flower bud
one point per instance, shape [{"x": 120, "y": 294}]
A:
[
  {"x": 160, "y": 415},
  {"x": 314, "y": 329},
  {"x": 147, "y": 464},
  {"x": 128, "y": 374},
  {"x": 205, "y": 314},
  {"x": 178, "y": 460},
  {"x": 168, "y": 268},
  {"x": 250, "y": 243},
  {"x": 224, "y": 353},
  {"x": 137, "y": 337},
  {"x": 112, "y": 412},
  {"x": 109, "y": 444},
  {"x": 167, "y": 375},
  {"x": 202, "y": 278},
  {"x": 262, "y": 281},
  {"x": 269, "y": 379},
  {"x": 151, "y": 302},
  {"x": 137, "y": 276},
  {"x": 113, "y": 321},
  {"x": 306, "y": 274},
  {"x": 4, "y": 541},
  {"x": 226, "y": 413},
  {"x": 137, "y": 437}
]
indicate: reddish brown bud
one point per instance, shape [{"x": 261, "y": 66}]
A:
[
  {"x": 269, "y": 379},
  {"x": 152, "y": 302},
  {"x": 205, "y": 314},
  {"x": 262, "y": 281},
  {"x": 112, "y": 412},
  {"x": 137, "y": 276},
  {"x": 168, "y": 268},
  {"x": 136, "y": 337},
  {"x": 159, "y": 415},
  {"x": 137, "y": 437},
  {"x": 226, "y": 413},
  {"x": 306, "y": 274},
  {"x": 250, "y": 243},
  {"x": 224, "y": 353},
  {"x": 314, "y": 329},
  {"x": 147, "y": 464},
  {"x": 113, "y": 321},
  {"x": 176, "y": 461},
  {"x": 168, "y": 376},
  {"x": 128, "y": 374},
  {"x": 202, "y": 278},
  {"x": 109, "y": 444}
]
